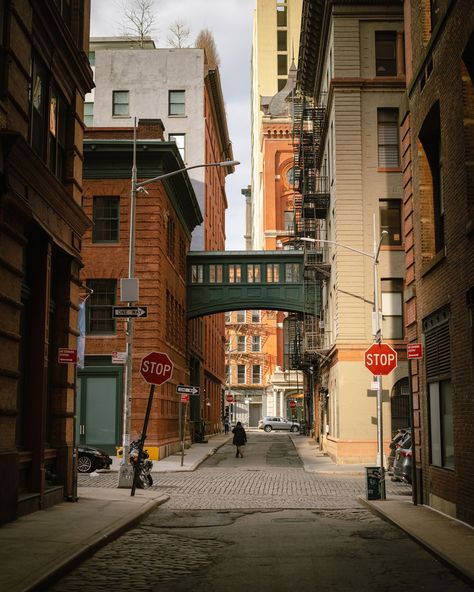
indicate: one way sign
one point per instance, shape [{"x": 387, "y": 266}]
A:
[
  {"x": 181, "y": 389},
  {"x": 119, "y": 312}
]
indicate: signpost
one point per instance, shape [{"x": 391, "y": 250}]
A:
[
  {"x": 123, "y": 312},
  {"x": 156, "y": 368}
]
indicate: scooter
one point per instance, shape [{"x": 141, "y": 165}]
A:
[{"x": 143, "y": 478}]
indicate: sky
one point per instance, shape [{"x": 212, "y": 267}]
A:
[{"x": 230, "y": 21}]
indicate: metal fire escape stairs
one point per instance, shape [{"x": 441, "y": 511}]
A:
[{"x": 309, "y": 337}]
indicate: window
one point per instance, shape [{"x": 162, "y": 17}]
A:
[
  {"x": 281, "y": 83},
  {"x": 289, "y": 221},
  {"x": 282, "y": 16},
  {"x": 282, "y": 41},
  {"x": 441, "y": 424},
  {"x": 99, "y": 307},
  {"x": 282, "y": 64},
  {"x": 197, "y": 274},
  {"x": 256, "y": 316},
  {"x": 57, "y": 133},
  {"x": 228, "y": 317},
  {"x": 215, "y": 274},
  {"x": 256, "y": 374},
  {"x": 89, "y": 114},
  {"x": 273, "y": 273},
  {"x": 120, "y": 103},
  {"x": 38, "y": 108},
  {"x": 170, "y": 238},
  {"x": 292, "y": 273},
  {"x": 105, "y": 217},
  {"x": 179, "y": 140},
  {"x": 240, "y": 374},
  {"x": 385, "y": 53},
  {"x": 227, "y": 374},
  {"x": 387, "y": 131},
  {"x": 253, "y": 273},
  {"x": 392, "y": 308},
  {"x": 391, "y": 221},
  {"x": 256, "y": 343},
  {"x": 235, "y": 273},
  {"x": 176, "y": 102},
  {"x": 241, "y": 345},
  {"x": 431, "y": 191},
  {"x": 228, "y": 344},
  {"x": 241, "y": 316},
  {"x": 92, "y": 58}
]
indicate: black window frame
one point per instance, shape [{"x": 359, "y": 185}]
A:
[
  {"x": 102, "y": 289},
  {"x": 385, "y": 66},
  {"x": 173, "y": 111},
  {"x": 115, "y": 103}
]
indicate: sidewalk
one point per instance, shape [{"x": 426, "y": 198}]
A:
[{"x": 49, "y": 542}]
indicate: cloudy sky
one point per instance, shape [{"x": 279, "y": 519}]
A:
[{"x": 230, "y": 21}]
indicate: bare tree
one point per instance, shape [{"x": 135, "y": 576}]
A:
[
  {"x": 205, "y": 40},
  {"x": 178, "y": 34},
  {"x": 139, "y": 19}
]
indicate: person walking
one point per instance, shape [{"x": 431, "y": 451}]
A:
[
  {"x": 226, "y": 424},
  {"x": 240, "y": 438}
]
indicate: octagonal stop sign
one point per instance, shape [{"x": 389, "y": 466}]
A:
[
  {"x": 380, "y": 359},
  {"x": 156, "y": 368}
]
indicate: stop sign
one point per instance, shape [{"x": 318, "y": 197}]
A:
[
  {"x": 229, "y": 398},
  {"x": 292, "y": 404},
  {"x": 156, "y": 368},
  {"x": 380, "y": 358}
]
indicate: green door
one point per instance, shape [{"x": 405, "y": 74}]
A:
[{"x": 98, "y": 408}]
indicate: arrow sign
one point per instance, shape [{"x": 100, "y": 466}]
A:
[
  {"x": 181, "y": 389},
  {"x": 119, "y": 312}
]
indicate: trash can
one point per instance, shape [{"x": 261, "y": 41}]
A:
[{"x": 374, "y": 484}]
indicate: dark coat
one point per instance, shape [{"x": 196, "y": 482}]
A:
[{"x": 240, "y": 437}]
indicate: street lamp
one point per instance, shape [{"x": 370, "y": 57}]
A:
[
  {"x": 126, "y": 472},
  {"x": 377, "y": 336}
]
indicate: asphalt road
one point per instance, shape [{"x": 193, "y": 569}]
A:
[{"x": 261, "y": 524}]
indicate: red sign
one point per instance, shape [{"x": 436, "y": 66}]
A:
[
  {"x": 229, "y": 398},
  {"x": 414, "y": 350},
  {"x": 380, "y": 358},
  {"x": 156, "y": 368},
  {"x": 292, "y": 404},
  {"x": 67, "y": 356},
  {"x": 184, "y": 398}
]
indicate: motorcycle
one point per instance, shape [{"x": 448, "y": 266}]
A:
[{"x": 143, "y": 476}]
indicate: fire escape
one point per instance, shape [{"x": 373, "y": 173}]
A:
[{"x": 309, "y": 338}]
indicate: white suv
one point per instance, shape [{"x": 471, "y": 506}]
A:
[{"x": 272, "y": 422}]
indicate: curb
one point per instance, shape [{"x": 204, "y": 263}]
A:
[
  {"x": 441, "y": 557},
  {"x": 93, "y": 545}
]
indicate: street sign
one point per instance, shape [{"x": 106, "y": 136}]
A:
[
  {"x": 156, "y": 368},
  {"x": 120, "y": 312},
  {"x": 67, "y": 355},
  {"x": 119, "y": 357},
  {"x": 181, "y": 389},
  {"x": 229, "y": 398},
  {"x": 380, "y": 359},
  {"x": 184, "y": 398},
  {"x": 292, "y": 404},
  {"x": 414, "y": 351}
]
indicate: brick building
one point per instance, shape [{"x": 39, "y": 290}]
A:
[
  {"x": 165, "y": 218},
  {"x": 44, "y": 76},
  {"x": 438, "y": 155}
]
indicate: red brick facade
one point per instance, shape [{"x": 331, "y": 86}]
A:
[{"x": 437, "y": 146}]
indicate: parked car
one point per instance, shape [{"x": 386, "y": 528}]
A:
[
  {"x": 90, "y": 459},
  {"x": 403, "y": 461},
  {"x": 397, "y": 440},
  {"x": 272, "y": 422}
]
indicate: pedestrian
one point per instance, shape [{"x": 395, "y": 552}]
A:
[
  {"x": 240, "y": 437},
  {"x": 226, "y": 424}
]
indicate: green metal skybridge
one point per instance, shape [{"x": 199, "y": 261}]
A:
[{"x": 220, "y": 281}]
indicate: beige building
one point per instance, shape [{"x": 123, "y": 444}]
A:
[{"x": 353, "y": 75}]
